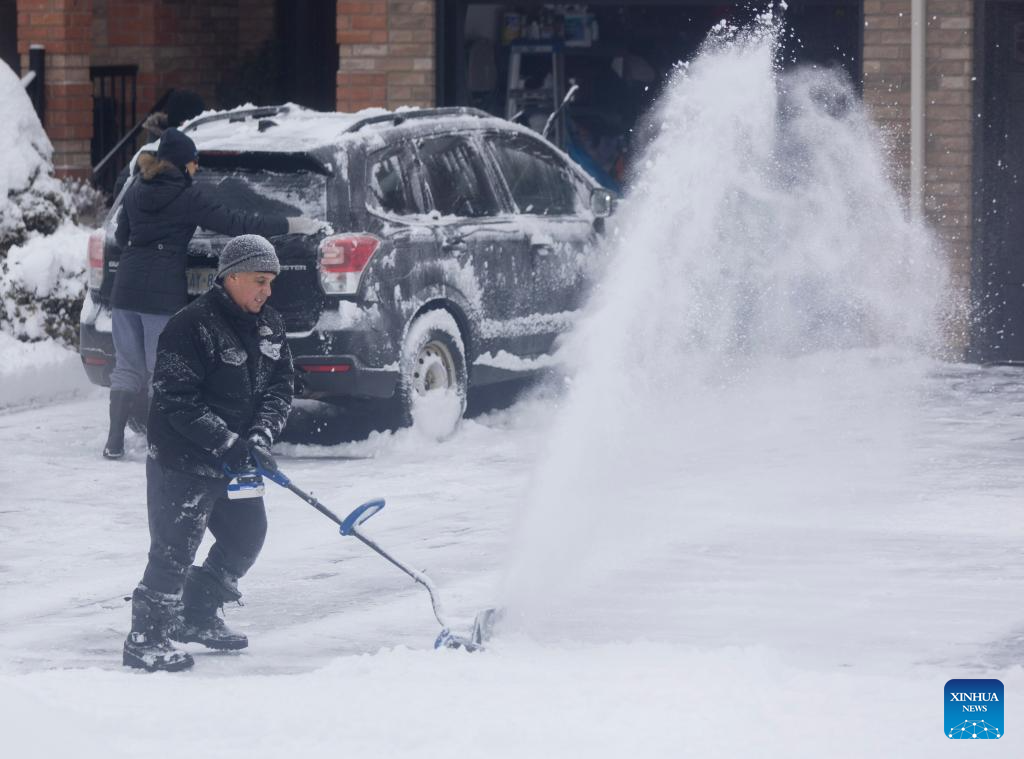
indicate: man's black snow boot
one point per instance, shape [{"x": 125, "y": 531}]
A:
[
  {"x": 204, "y": 595},
  {"x": 147, "y": 645},
  {"x": 138, "y": 414},
  {"x": 120, "y": 407}
]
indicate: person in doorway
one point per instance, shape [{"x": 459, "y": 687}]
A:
[
  {"x": 161, "y": 212},
  {"x": 222, "y": 387}
]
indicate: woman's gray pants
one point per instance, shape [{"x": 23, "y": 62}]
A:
[{"x": 135, "y": 338}]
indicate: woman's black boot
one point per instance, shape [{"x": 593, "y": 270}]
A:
[{"x": 120, "y": 408}]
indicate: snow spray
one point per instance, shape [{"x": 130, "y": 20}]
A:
[{"x": 745, "y": 376}]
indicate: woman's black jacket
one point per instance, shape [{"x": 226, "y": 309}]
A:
[{"x": 161, "y": 211}]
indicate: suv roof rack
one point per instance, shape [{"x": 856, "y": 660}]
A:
[
  {"x": 261, "y": 112},
  {"x": 422, "y": 113}
]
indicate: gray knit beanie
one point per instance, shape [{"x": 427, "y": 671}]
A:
[{"x": 248, "y": 253}]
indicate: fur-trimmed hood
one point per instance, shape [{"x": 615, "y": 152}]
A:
[
  {"x": 150, "y": 166},
  {"x": 162, "y": 182}
]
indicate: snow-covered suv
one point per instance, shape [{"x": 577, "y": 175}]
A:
[{"x": 460, "y": 249}]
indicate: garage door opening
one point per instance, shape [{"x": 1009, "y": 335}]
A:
[
  {"x": 998, "y": 264},
  {"x": 519, "y": 59}
]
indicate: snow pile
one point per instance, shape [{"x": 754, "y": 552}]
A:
[
  {"x": 755, "y": 366},
  {"x": 43, "y": 285},
  {"x": 42, "y": 289},
  {"x": 42, "y": 252},
  {"x": 42, "y": 257},
  {"x": 31, "y": 199},
  {"x": 38, "y": 372}
]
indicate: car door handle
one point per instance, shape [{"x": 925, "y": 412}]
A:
[
  {"x": 453, "y": 246},
  {"x": 541, "y": 249}
]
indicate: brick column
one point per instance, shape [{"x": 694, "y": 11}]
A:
[
  {"x": 948, "y": 151},
  {"x": 386, "y": 53},
  {"x": 887, "y": 78},
  {"x": 64, "y": 28},
  {"x": 412, "y": 53},
  {"x": 948, "y": 124}
]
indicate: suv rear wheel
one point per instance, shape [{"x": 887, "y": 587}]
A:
[{"x": 433, "y": 378}]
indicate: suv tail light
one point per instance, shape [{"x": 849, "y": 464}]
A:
[
  {"x": 96, "y": 240},
  {"x": 342, "y": 260}
]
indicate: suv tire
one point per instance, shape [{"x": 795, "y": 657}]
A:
[{"x": 433, "y": 378}]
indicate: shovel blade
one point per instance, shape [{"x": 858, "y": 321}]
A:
[
  {"x": 447, "y": 639},
  {"x": 483, "y": 629},
  {"x": 484, "y": 624}
]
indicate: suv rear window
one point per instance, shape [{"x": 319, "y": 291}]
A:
[{"x": 291, "y": 188}]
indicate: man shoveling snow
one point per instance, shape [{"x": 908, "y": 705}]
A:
[{"x": 222, "y": 387}]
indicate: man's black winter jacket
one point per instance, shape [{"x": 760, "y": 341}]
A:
[
  {"x": 160, "y": 214},
  {"x": 220, "y": 372}
]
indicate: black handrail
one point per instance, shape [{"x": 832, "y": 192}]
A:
[
  {"x": 130, "y": 135},
  {"x": 37, "y": 85}
]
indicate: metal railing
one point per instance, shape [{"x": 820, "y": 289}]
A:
[
  {"x": 107, "y": 169},
  {"x": 114, "y": 100},
  {"x": 34, "y": 81}
]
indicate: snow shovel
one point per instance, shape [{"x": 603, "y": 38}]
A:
[{"x": 484, "y": 623}]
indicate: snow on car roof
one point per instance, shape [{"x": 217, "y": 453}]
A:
[{"x": 294, "y": 128}]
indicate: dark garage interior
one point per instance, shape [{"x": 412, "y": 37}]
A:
[{"x": 519, "y": 60}]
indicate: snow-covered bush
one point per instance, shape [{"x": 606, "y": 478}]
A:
[
  {"x": 42, "y": 251},
  {"x": 43, "y": 285},
  {"x": 31, "y": 199}
]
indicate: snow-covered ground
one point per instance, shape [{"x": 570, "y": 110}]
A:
[
  {"x": 760, "y": 519},
  {"x": 763, "y": 635}
]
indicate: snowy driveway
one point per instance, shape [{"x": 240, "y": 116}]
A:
[{"x": 340, "y": 658}]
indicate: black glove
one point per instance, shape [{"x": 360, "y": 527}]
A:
[
  {"x": 259, "y": 449},
  {"x": 237, "y": 458}
]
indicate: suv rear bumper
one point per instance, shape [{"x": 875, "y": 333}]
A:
[
  {"x": 316, "y": 376},
  {"x": 323, "y": 377}
]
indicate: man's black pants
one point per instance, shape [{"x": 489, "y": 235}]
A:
[{"x": 181, "y": 506}]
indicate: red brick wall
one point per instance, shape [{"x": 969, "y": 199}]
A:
[
  {"x": 386, "y": 53},
  {"x": 948, "y": 121},
  {"x": 255, "y": 24},
  {"x": 180, "y": 45},
  {"x": 64, "y": 27}
]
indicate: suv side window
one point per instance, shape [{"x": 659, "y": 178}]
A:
[
  {"x": 538, "y": 179},
  {"x": 394, "y": 184},
  {"x": 458, "y": 186}
]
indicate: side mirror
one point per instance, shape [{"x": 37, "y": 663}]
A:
[{"x": 602, "y": 202}]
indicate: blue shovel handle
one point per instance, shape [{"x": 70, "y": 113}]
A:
[{"x": 359, "y": 515}]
